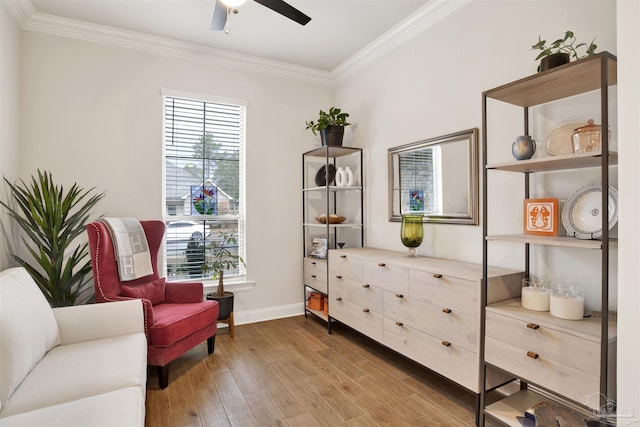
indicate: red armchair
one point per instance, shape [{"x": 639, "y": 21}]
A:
[{"x": 176, "y": 317}]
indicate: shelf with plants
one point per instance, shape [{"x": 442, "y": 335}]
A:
[
  {"x": 332, "y": 214},
  {"x": 558, "y": 374}
]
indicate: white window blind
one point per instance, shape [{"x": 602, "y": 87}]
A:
[
  {"x": 203, "y": 184},
  {"x": 421, "y": 181}
]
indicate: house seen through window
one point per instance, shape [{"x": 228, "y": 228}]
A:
[{"x": 203, "y": 184}]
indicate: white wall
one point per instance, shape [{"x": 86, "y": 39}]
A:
[
  {"x": 95, "y": 117},
  {"x": 10, "y": 36}
]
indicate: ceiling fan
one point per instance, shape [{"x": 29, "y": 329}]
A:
[{"x": 224, "y": 8}]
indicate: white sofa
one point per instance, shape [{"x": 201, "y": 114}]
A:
[{"x": 71, "y": 366}]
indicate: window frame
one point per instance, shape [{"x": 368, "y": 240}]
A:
[{"x": 240, "y": 217}]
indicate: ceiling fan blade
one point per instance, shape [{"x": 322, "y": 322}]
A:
[
  {"x": 219, "y": 16},
  {"x": 285, "y": 9}
]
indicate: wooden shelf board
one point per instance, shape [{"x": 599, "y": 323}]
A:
[
  {"x": 332, "y": 188},
  {"x": 343, "y": 225},
  {"x": 557, "y": 83},
  {"x": 570, "y": 242},
  {"x": 318, "y": 313},
  {"x": 555, "y": 163},
  {"x": 508, "y": 409},
  {"x": 331, "y": 151}
]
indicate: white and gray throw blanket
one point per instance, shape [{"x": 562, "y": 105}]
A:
[{"x": 130, "y": 247}]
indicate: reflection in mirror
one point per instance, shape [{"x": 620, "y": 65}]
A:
[{"x": 437, "y": 177}]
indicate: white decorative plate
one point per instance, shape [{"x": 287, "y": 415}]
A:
[
  {"x": 558, "y": 141},
  {"x": 582, "y": 213}
]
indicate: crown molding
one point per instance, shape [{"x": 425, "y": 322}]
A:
[
  {"x": 21, "y": 10},
  {"x": 432, "y": 12},
  {"x": 80, "y": 30}
]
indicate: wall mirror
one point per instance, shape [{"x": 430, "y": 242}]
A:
[{"x": 436, "y": 177}]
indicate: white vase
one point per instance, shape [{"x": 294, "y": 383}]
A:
[
  {"x": 349, "y": 178},
  {"x": 341, "y": 177}
]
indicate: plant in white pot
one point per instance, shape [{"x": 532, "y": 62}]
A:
[{"x": 330, "y": 125}]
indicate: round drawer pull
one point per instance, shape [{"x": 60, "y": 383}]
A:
[
  {"x": 399, "y": 324},
  {"x": 365, "y": 310},
  {"x": 338, "y": 298},
  {"x": 338, "y": 277},
  {"x": 399, "y": 296},
  {"x": 437, "y": 276},
  {"x": 343, "y": 256},
  {"x": 313, "y": 275},
  {"x": 532, "y": 355},
  {"x": 446, "y": 310},
  {"x": 533, "y": 326},
  {"x": 313, "y": 263},
  {"x": 446, "y": 343},
  {"x": 382, "y": 264}
]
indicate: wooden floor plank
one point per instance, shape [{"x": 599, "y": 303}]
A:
[{"x": 291, "y": 372}]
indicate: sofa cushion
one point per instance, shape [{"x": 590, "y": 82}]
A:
[
  {"x": 28, "y": 329},
  {"x": 74, "y": 371},
  {"x": 153, "y": 291},
  {"x": 173, "y": 322},
  {"x": 124, "y": 407}
]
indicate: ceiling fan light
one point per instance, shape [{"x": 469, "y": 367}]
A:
[{"x": 233, "y": 3}]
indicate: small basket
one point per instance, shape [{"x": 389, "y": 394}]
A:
[{"x": 332, "y": 219}]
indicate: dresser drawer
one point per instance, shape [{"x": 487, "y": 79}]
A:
[
  {"x": 315, "y": 274},
  {"x": 357, "y": 317},
  {"x": 445, "y": 291},
  {"x": 344, "y": 265},
  {"x": 452, "y": 361},
  {"x": 440, "y": 322},
  {"x": 386, "y": 276},
  {"x": 571, "y": 382},
  {"x": 565, "y": 348},
  {"x": 357, "y": 293}
]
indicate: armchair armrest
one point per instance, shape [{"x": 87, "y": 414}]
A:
[
  {"x": 183, "y": 292},
  {"x": 94, "y": 321}
]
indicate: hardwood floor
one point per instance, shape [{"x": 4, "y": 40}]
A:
[{"x": 290, "y": 372}]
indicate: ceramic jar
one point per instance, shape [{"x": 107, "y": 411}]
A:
[{"x": 523, "y": 148}]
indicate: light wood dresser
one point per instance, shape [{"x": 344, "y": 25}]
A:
[{"x": 427, "y": 309}]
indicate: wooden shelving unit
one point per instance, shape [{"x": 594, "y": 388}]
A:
[
  {"x": 329, "y": 199},
  {"x": 504, "y": 346}
]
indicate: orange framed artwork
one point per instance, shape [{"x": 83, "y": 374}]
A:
[{"x": 541, "y": 217}]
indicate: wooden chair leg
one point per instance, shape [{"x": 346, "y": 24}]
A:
[
  {"x": 163, "y": 376},
  {"x": 231, "y": 325},
  {"x": 211, "y": 344}
]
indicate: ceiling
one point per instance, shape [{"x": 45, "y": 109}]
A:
[{"x": 338, "y": 30}]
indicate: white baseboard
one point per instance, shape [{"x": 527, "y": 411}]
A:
[{"x": 270, "y": 313}]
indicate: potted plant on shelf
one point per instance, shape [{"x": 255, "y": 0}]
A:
[
  {"x": 331, "y": 126},
  {"x": 52, "y": 219},
  {"x": 219, "y": 259},
  {"x": 561, "y": 51}
]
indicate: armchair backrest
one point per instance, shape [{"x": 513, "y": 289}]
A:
[{"x": 103, "y": 260}]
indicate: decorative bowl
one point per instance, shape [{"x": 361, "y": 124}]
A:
[{"x": 332, "y": 219}]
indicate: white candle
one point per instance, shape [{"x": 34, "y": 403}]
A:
[
  {"x": 535, "y": 298},
  {"x": 570, "y": 308}
]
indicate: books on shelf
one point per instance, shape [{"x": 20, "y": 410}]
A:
[{"x": 318, "y": 247}]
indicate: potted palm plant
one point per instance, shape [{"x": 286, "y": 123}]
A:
[
  {"x": 330, "y": 125},
  {"x": 219, "y": 259},
  {"x": 52, "y": 219},
  {"x": 561, "y": 51}
]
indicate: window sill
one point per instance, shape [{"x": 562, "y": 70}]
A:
[{"x": 235, "y": 284}]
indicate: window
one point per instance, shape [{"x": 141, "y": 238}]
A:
[
  {"x": 203, "y": 185},
  {"x": 422, "y": 175}
]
